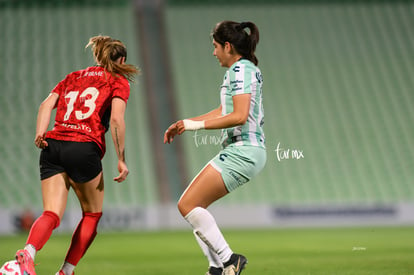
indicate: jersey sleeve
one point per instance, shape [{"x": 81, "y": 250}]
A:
[
  {"x": 120, "y": 88},
  {"x": 242, "y": 79},
  {"x": 61, "y": 86}
]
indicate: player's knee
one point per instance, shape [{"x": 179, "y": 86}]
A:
[{"x": 183, "y": 207}]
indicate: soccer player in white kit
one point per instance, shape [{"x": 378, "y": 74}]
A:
[{"x": 241, "y": 117}]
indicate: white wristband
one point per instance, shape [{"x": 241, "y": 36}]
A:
[{"x": 192, "y": 125}]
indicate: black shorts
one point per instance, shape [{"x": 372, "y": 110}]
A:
[{"x": 80, "y": 160}]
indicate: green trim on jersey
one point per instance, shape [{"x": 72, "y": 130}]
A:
[{"x": 243, "y": 77}]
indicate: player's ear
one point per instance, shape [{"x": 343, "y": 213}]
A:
[
  {"x": 227, "y": 47},
  {"x": 121, "y": 60}
]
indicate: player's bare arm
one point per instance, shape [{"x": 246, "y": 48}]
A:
[
  {"x": 239, "y": 116},
  {"x": 172, "y": 131},
  {"x": 210, "y": 115},
  {"x": 118, "y": 136},
  {"x": 241, "y": 106},
  {"x": 43, "y": 119}
]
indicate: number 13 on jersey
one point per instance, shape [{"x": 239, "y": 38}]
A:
[{"x": 88, "y": 97}]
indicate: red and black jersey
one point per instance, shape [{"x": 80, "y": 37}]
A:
[{"x": 84, "y": 103}]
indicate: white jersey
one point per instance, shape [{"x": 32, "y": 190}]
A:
[{"x": 243, "y": 77}]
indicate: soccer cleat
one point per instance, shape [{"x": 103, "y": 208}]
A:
[
  {"x": 63, "y": 273},
  {"x": 235, "y": 265},
  {"x": 214, "y": 271},
  {"x": 25, "y": 262}
]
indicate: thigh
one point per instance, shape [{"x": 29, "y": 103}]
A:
[
  {"x": 90, "y": 193},
  {"x": 206, "y": 187},
  {"x": 55, "y": 191}
]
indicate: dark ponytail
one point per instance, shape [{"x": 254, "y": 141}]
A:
[{"x": 243, "y": 42}]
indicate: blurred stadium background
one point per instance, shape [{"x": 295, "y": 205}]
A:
[{"x": 338, "y": 102}]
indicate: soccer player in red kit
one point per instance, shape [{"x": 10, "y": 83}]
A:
[{"x": 88, "y": 103}]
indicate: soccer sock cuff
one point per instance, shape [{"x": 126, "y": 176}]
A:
[
  {"x": 207, "y": 230},
  {"x": 67, "y": 268},
  {"x": 42, "y": 229},
  {"x": 83, "y": 236},
  {"x": 31, "y": 249}
]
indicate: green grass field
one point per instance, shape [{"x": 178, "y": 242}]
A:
[{"x": 351, "y": 251}]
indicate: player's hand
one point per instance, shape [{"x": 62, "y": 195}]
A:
[
  {"x": 40, "y": 141},
  {"x": 123, "y": 171},
  {"x": 174, "y": 129}
]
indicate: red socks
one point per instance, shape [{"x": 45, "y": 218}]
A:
[
  {"x": 83, "y": 237},
  {"x": 81, "y": 240},
  {"x": 42, "y": 229}
]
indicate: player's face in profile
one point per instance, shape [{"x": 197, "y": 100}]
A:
[{"x": 219, "y": 53}]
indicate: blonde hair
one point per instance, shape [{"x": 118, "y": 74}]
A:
[{"x": 106, "y": 51}]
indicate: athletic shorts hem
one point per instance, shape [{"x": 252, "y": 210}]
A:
[
  {"x": 238, "y": 164},
  {"x": 81, "y": 161}
]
